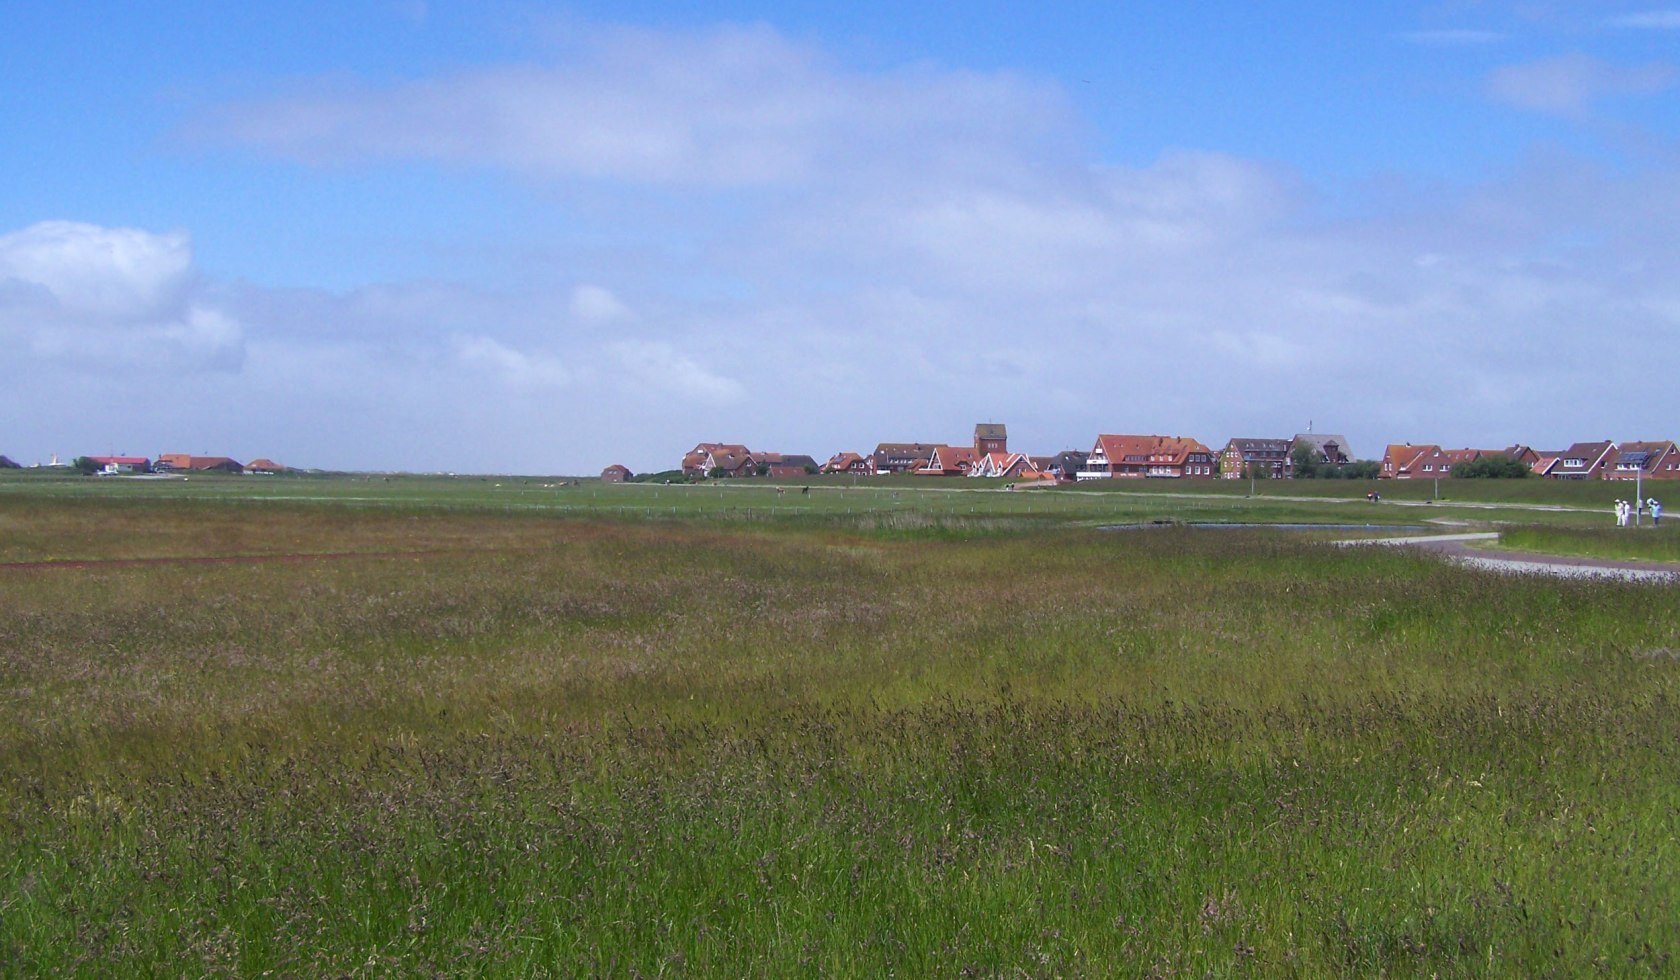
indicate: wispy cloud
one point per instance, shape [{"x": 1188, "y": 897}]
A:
[
  {"x": 1570, "y": 85},
  {"x": 1462, "y": 37},
  {"x": 736, "y": 106},
  {"x": 1662, "y": 20}
]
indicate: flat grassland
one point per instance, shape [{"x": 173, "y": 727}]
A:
[{"x": 449, "y": 726}]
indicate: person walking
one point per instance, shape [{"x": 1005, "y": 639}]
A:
[
  {"x": 1656, "y": 512},
  {"x": 1621, "y": 513}
]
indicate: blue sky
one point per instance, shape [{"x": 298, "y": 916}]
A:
[{"x": 541, "y": 238}]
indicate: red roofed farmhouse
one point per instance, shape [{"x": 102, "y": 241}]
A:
[
  {"x": 1404, "y": 461},
  {"x": 184, "y": 462},
  {"x": 704, "y": 457},
  {"x": 849, "y": 463},
  {"x": 950, "y": 461},
  {"x": 1147, "y": 457}
]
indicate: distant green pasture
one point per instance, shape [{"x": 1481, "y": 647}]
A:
[{"x": 848, "y": 500}]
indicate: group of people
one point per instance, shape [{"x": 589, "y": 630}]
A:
[{"x": 1626, "y": 510}]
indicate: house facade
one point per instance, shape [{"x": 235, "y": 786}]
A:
[
  {"x": 1406, "y": 461},
  {"x": 187, "y": 463},
  {"x": 122, "y": 465},
  {"x": 1327, "y": 449},
  {"x": 616, "y": 473},
  {"x": 1116, "y": 457},
  {"x": 1582, "y": 461},
  {"x": 950, "y": 461},
  {"x": 1011, "y": 466},
  {"x": 991, "y": 437},
  {"x": 851, "y": 463},
  {"x": 703, "y": 458},
  {"x": 786, "y": 465},
  {"x": 1644, "y": 460},
  {"x": 1065, "y": 465},
  {"x": 902, "y": 457},
  {"x": 1263, "y": 457}
]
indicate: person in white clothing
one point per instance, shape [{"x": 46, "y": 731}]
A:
[
  {"x": 1656, "y": 511},
  {"x": 1621, "y": 513}
]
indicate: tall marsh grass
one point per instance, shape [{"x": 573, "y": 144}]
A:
[{"x": 518, "y": 745}]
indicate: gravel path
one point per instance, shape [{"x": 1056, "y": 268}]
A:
[
  {"x": 1459, "y": 548},
  {"x": 67, "y": 563}
]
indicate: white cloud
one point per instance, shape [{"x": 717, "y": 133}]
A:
[
  {"x": 519, "y": 369},
  {"x": 735, "y": 106},
  {"x": 120, "y": 272},
  {"x": 1570, "y": 85},
  {"x": 662, "y": 371},
  {"x": 121, "y": 297},
  {"x": 1663, "y": 20},
  {"x": 1460, "y": 37},
  {"x": 596, "y": 304}
]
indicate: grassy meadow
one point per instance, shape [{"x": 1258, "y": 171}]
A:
[
  {"x": 1644, "y": 542},
  {"x": 529, "y": 729}
]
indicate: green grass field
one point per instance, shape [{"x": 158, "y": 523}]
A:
[
  {"x": 528, "y": 729},
  {"x": 1647, "y": 543}
]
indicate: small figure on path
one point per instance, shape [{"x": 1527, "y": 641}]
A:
[
  {"x": 1621, "y": 513},
  {"x": 1656, "y": 511}
]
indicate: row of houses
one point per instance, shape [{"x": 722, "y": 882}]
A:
[
  {"x": 987, "y": 456},
  {"x": 1604, "y": 459},
  {"x": 1180, "y": 457},
  {"x": 176, "y": 463}
]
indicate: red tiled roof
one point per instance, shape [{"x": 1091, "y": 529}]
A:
[{"x": 1149, "y": 449}]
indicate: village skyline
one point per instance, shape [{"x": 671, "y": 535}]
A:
[{"x": 990, "y": 455}]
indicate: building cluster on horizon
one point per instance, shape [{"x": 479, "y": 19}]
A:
[
  {"x": 165, "y": 463},
  {"x": 1180, "y": 457}
]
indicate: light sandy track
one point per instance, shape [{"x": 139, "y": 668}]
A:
[
  {"x": 73, "y": 563},
  {"x": 1459, "y": 548}
]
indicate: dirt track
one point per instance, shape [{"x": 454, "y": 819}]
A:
[{"x": 69, "y": 563}]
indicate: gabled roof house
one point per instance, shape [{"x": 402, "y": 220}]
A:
[
  {"x": 849, "y": 463},
  {"x": 902, "y": 457},
  {"x": 1331, "y": 450},
  {"x": 950, "y": 461},
  {"x": 185, "y": 462},
  {"x": 703, "y": 457},
  {"x": 1582, "y": 461},
  {"x": 1158, "y": 457},
  {"x": 1649, "y": 460},
  {"x": 1268, "y": 456},
  {"x": 1405, "y": 461}
]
